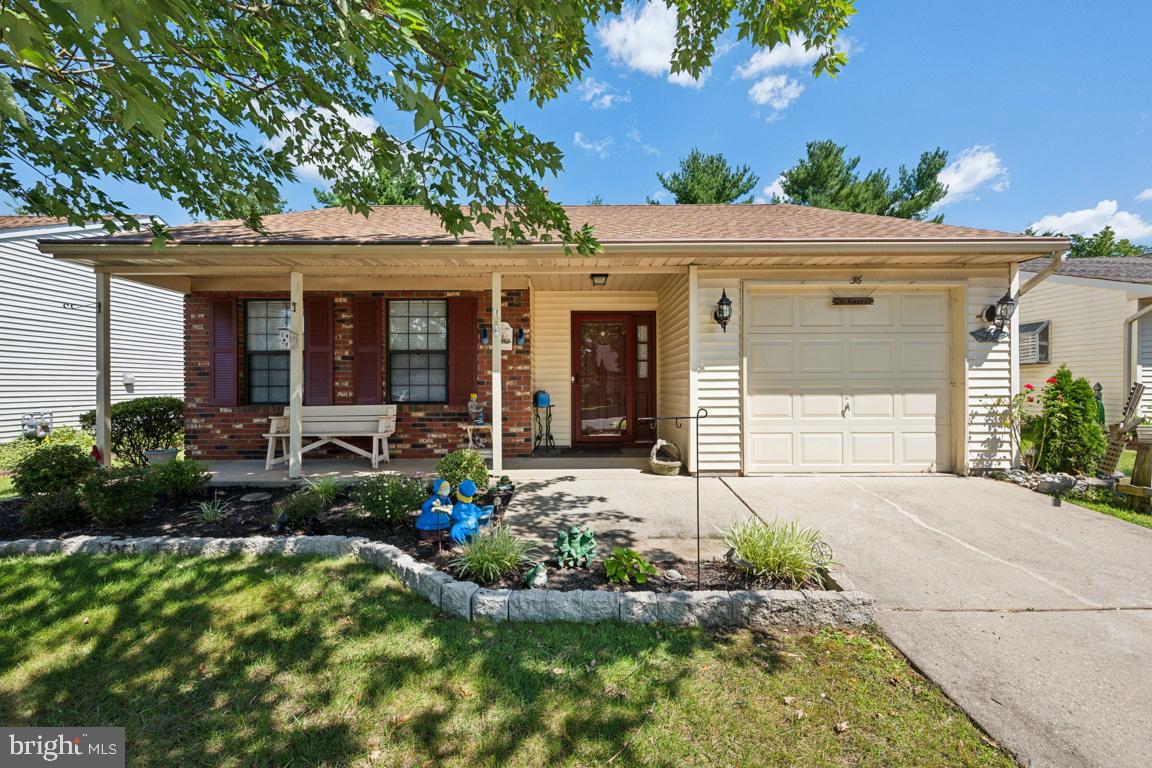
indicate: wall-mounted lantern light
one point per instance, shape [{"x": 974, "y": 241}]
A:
[
  {"x": 485, "y": 339},
  {"x": 998, "y": 315},
  {"x": 599, "y": 279},
  {"x": 518, "y": 339},
  {"x": 723, "y": 312}
]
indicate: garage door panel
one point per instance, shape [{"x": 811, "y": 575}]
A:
[
  {"x": 770, "y": 312},
  {"x": 849, "y": 388},
  {"x": 821, "y": 448}
]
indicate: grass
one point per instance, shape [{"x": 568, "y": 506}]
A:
[
  {"x": 6, "y": 489},
  {"x": 228, "y": 662},
  {"x": 1117, "y": 509}
]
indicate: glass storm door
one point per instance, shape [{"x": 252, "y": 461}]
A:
[{"x": 602, "y": 377}]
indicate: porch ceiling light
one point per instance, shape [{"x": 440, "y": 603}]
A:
[
  {"x": 723, "y": 312},
  {"x": 998, "y": 315},
  {"x": 599, "y": 279}
]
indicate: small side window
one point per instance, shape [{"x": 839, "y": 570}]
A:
[{"x": 1035, "y": 342}]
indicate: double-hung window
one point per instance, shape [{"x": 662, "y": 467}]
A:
[
  {"x": 418, "y": 351},
  {"x": 267, "y": 369},
  {"x": 1035, "y": 341}
]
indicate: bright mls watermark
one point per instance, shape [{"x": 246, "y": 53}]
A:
[{"x": 89, "y": 747}]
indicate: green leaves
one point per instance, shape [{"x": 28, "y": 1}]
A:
[
  {"x": 825, "y": 178},
  {"x": 215, "y": 105},
  {"x": 624, "y": 565},
  {"x": 708, "y": 179}
]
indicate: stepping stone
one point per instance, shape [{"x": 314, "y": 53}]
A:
[{"x": 252, "y": 498}]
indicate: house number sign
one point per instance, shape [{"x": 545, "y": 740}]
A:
[{"x": 852, "y": 301}]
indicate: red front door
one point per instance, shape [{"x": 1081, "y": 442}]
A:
[{"x": 607, "y": 376}]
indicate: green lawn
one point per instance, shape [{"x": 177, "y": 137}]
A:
[
  {"x": 229, "y": 662},
  {"x": 6, "y": 490},
  {"x": 1115, "y": 509}
]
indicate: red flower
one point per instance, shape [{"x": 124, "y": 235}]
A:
[
  {"x": 1050, "y": 381},
  {"x": 1031, "y": 399},
  {"x": 1029, "y": 387}
]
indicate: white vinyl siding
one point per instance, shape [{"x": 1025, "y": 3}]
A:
[
  {"x": 672, "y": 352},
  {"x": 48, "y": 352},
  {"x": 552, "y": 342},
  {"x": 718, "y": 375},
  {"x": 990, "y": 380},
  {"x": 1086, "y": 329}
]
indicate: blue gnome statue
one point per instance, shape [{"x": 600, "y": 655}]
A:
[
  {"x": 466, "y": 516},
  {"x": 434, "y": 514}
]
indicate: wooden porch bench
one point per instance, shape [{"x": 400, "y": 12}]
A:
[{"x": 333, "y": 424}]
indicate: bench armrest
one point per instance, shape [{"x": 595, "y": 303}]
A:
[
  {"x": 277, "y": 424},
  {"x": 386, "y": 425}
]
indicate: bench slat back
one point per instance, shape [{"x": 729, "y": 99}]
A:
[{"x": 336, "y": 419}]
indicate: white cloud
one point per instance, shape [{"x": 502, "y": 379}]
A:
[
  {"x": 773, "y": 190},
  {"x": 973, "y": 169},
  {"x": 364, "y": 124},
  {"x": 1144, "y": 196},
  {"x": 636, "y": 140},
  {"x": 1089, "y": 221},
  {"x": 776, "y": 91},
  {"x": 597, "y": 148},
  {"x": 781, "y": 57},
  {"x": 602, "y": 95},
  {"x": 642, "y": 38}
]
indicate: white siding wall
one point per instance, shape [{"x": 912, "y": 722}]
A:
[
  {"x": 48, "y": 353},
  {"x": 990, "y": 377},
  {"x": 1087, "y": 326},
  {"x": 718, "y": 375},
  {"x": 552, "y": 342},
  {"x": 672, "y": 354},
  {"x": 1143, "y": 367}
]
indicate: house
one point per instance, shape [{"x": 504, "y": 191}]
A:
[
  {"x": 48, "y": 330},
  {"x": 1095, "y": 316},
  {"x": 848, "y": 347}
]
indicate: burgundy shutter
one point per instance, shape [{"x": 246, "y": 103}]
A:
[
  {"x": 319, "y": 350},
  {"x": 223, "y": 345},
  {"x": 367, "y": 349},
  {"x": 463, "y": 338}
]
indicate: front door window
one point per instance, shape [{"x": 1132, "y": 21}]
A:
[{"x": 603, "y": 378}]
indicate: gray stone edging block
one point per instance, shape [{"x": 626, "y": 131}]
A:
[{"x": 758, "y": 609}]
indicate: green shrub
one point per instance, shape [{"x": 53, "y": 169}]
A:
[
  {"x": 575, "y": 547},
  {"x": 300, "y": 506},
  {"x": 390, "y": 498},
  {"x": 493, "y": 554},
  {"x": 58, "y": 509},
  {"x": 181, "y": 479},
  {"x": 143, "y": 424},
  {"x": 623, "y": 565},
  {"x": 465, "y": 464},
  {"x": 118, "y": 496},
  {"x": 52, "y": 468},
  {"x": 1069, "y": 437},
  {"x": 213, "y": 509},
  {"x": 327, "y": 488},
  {"x": 12, "y": 452},
  {"x": 780, "y": 551}
]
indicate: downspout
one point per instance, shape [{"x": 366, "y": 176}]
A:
[{"x": 1039, "y": 277}]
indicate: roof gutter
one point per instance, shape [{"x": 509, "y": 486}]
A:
[{"x": 1039, "y": 277}]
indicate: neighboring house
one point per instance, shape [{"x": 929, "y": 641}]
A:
[
  {"x": 849, "y": 346},
  {"x": 1077, "y": 317},
  {"x": 47, "y": 349}
]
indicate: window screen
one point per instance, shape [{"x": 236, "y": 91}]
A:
[
  {"x": 267, "y": 370},
  {"x": 1034, "y": 342},
  {"x": 418, "y": 351}
]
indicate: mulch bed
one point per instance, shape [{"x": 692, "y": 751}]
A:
[{"x": 345, "y": 519}]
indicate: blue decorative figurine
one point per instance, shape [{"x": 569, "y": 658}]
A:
[
  {"x": 433, "y": 517},
  {"x": 466, "y": 516}
]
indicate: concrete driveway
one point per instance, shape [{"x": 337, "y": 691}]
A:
[{"x": 1036, "y": 619}]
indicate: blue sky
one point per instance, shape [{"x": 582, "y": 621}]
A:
[{"x": 1044, "y": 108}]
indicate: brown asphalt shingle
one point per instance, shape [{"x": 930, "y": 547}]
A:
[
  {"x": 1124, "y": 269},
  {"x": 613, "y": 224},
  {"x": 28, "y": 222}
]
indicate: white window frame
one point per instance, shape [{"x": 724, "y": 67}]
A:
[{"x": 1035, "y": 343}]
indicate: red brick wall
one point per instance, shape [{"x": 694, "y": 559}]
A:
[{"x": 422, "y": 431}]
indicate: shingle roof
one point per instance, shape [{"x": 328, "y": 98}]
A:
[
  {"x": 29, "y": 222},
  {"x": 1125, "y": 269},
  {"x": 613, "y": 223}
]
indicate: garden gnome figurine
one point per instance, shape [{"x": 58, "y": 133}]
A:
[
  {"x": 433, "y": 516},
  {"x": 466, "y": 516}
]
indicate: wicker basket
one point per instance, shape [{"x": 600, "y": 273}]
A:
[{"x": 661, "y": 466}]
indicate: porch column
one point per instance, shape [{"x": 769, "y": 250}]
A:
[
  {"x": 296, "y": 375},
  {"x": 104, "y": 367},
  {"x": 497, "y": 381}
]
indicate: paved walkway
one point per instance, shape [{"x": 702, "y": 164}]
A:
[{"x": 1036, "y": 619}]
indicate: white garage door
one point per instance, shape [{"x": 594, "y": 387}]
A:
[{"x": 847, "y": 388}]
